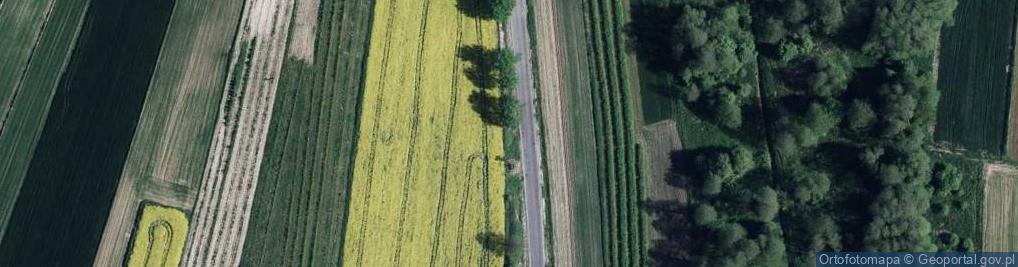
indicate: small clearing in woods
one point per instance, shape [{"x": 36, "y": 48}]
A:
[
  {"x": 662, "y": 140},
  {"x": 999, "y": 229}
]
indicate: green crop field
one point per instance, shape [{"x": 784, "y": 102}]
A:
[
  {"x": 587, "y": 212},
  {"x": 299, "y": 207},
  {"x": 24, "y": 111},
  {"x": 609, "y": 222},
  {"x": 975, "y": 55},
  {"x": 77, "y": 163}
]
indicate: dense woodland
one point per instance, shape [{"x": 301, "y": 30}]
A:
[{"x": 848, "y": 101}]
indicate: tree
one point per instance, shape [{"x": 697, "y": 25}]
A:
[
  {"x": 859, "y": 115},
  {"x": 767, "y": 206},
  {"x": 806, "y": 186},
  {"x": 742, "y": 160},
  {"x": 904, "y": 29},
  {"x": 946, "y": 179},
  {"x": 501, "y": 10},
  {"x": 704, "y": 215},
  {"x": 509, "y": 108},
  {"x": 505, "y": 69},
  {"x": 728, "y": 110},
  {"x": 820, "y": 120}
]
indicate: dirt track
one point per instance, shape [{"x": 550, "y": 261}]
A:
[
  {"x": 560, "y": 180},
  {"x": 220, "y": 217}
]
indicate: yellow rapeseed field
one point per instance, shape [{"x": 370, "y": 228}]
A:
[
  {"x": 159, "y": 237},
  {"x": 429, "y": 179}
]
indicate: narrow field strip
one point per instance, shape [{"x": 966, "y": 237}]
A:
[{"x": 224, "y": 204}]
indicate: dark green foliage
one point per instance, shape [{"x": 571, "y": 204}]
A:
[
  {"x": 704, "y": 215},
  {"x": 505, "y": 69},
  {"x": 767, "y": 206},
  {"x": 710, "y": 54},
  {"x": 848, "y": 178},
  {"x": 498, "y": 10},
  {"x": 502, "y": 9},
  {"x": 509, "y": 110},
  {"x": 859, "y": 115},
  {"x": 805, "y": 186},
  {"x": 946, "y": 180},
  {"x": 493, "y": 69},
  {"x": 906, "y": 29}
]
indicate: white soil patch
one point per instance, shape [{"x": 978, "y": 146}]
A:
[{"x": 305, "y": 20}]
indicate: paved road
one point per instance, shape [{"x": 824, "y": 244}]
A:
[{"x": 518, "y": 39}]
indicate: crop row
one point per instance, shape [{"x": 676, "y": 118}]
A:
[{"x": 616, "y": 158}]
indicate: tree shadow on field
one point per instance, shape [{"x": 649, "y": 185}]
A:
[
  {"x": 487, "y": 106},
  {"x": 481, "y": 72},
  {"x": 480, "y": 9},
  {"x": 650, "y": 35},
  {"x": 493, "y": 242}
]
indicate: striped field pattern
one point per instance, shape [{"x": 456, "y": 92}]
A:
[{"x": 428, "y": 178}]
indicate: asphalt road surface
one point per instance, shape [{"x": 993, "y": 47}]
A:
[{"x": 518, "y": 39}]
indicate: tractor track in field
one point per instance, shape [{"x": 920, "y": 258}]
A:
[
  {"x": 463, "y": 206},
  {"x": 374, "y": 131},
  {"x": 454, "y": 96},
  {"x": 485, "y": 161},
  {"x": 415, "y": 118},
  {"x": 151, "y": 236}
]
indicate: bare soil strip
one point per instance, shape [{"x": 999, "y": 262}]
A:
[
  {"x": 302, "y": 45},
  {"x": 224, "y": 202},
  {"x": 998, "y": 207},
  {"x": 560, "y": 178},
  {"x": 662, "y": 139}
]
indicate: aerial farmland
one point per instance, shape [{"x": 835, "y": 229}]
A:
[
  {"x": 430, "y": 181},
  {"x": 504, "y": 132}
]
